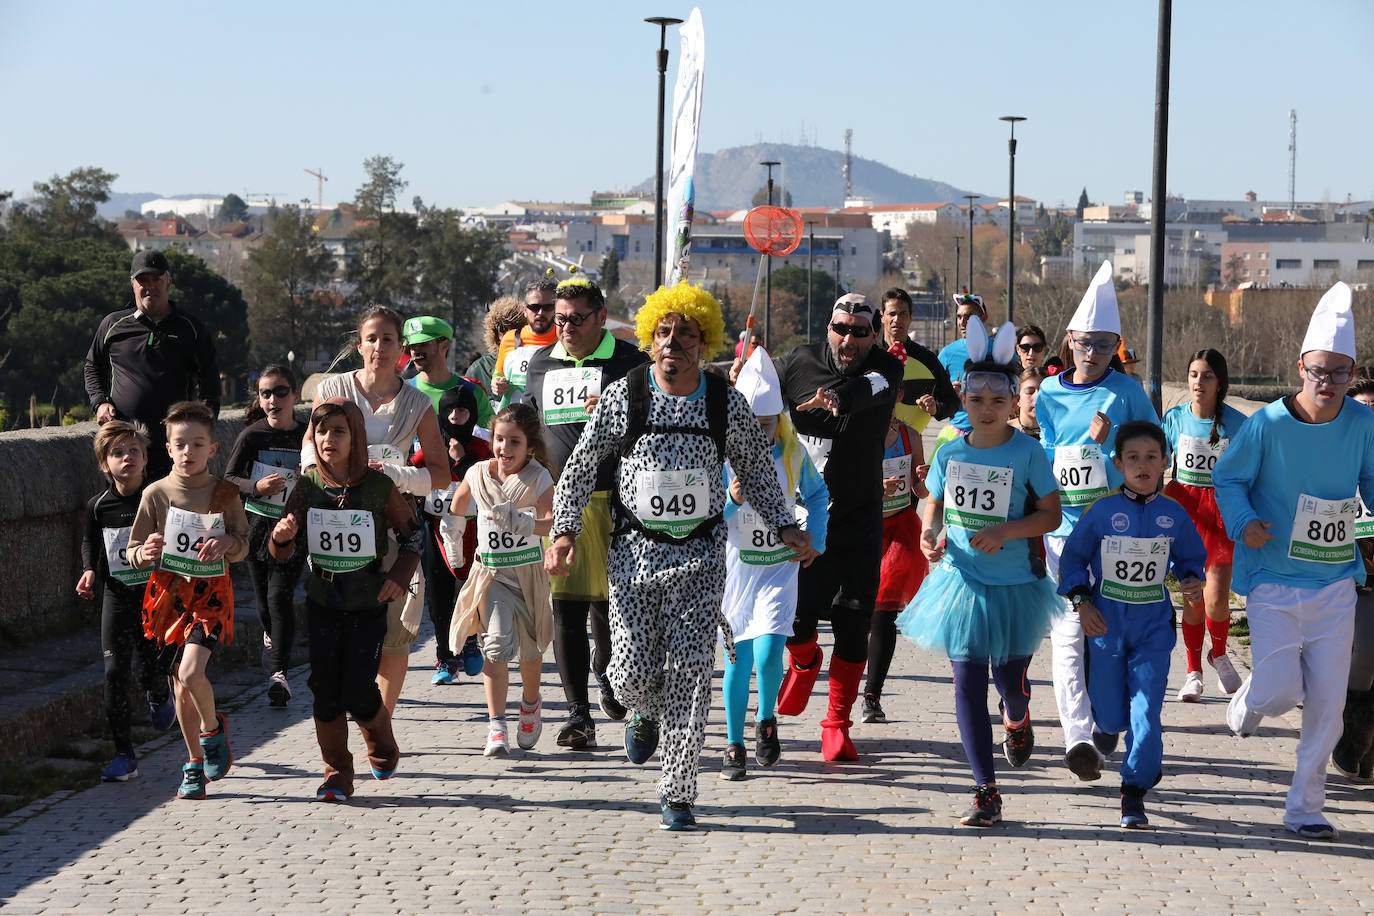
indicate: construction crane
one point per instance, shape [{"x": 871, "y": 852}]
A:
[{"x": 321, "y": 179}]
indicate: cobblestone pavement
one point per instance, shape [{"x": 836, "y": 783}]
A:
[{"x": 553, "y": 830}]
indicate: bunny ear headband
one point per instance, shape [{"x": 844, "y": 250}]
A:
[{"x": 1003, "y": 349}]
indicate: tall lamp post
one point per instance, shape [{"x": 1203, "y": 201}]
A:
[
  {"x": 957, "y": 240},
  {"x": 768, "y": 283},
  {"x": 1011, "y": 206},
  {"x": 810, "y": 269},
  {"x": 662, "y": 22},
  {"x": 970, "y": 198}
]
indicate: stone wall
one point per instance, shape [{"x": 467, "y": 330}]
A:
[{"x": 46, "y": 478}]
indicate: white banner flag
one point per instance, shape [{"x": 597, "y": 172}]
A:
[{"x": 686, "y": 128}]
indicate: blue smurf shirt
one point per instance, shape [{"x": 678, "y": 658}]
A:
[
  {"x": 1180, "y": 421},
  {"x": 953, "y": 357},
  {"x": 1065, "y": 410},
  {"x": 969, "y": 503},
  {"x": 1274, "y": 459}
]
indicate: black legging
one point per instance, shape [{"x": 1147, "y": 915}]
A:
[
  {"x": 345, "y": 648},
  {"x": 882, "y": 642},
  {"x": 441, "y": 588},
  {"x": 842, "y": 584},
  {"x": 274, "y": 585},
  {"x": 570, "y": 649},
  {"x": 121, "y": 639}
]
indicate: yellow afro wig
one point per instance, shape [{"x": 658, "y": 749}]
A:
[{"x": 689, "y": 302}]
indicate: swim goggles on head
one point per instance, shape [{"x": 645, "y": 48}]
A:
[{"x": 994, "y": 382}]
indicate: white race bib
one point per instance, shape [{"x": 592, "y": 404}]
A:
[
  {"x": 1364, "y": 521},
  {"x": 270, "y": 506},
  {"x": 898, "y": 467},
  {"x": 674, "y": 502},
  {"x": 1081, "y": 472},
  {"x": 1324, "y": 529},
  {"x": 341, "y": 540},
  {"x": 1195, "y": 459},
  {"x": 499, "y": 549},
  {"x": 388, "y": 454},
  {"x": 518, "y": 365},
  {"x": 117, "y": 557},
  {"x": 1133, "y": 569},
  {"x": 817, "y": 449},
  {"x": 977, "y": 496},
  {"x": 756, "y": 541},
  {"x": 437, "y": 502},
  {"x": 185, "y": 533},
  {"x": 565, "y": 394}
]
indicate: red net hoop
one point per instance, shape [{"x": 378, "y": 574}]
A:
[{"x": 773, "y": 231}]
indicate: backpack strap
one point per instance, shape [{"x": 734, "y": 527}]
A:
[
  {"x": 717, "y": 411},
  {"x": 637, "y": 411}
]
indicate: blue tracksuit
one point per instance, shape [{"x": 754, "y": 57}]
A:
[{"x": 1129, "y": 664}]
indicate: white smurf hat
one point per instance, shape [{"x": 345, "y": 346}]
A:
[
  {"x": 758, "y": 382},
  {"x": 1332, "y": 327},
  {"x": 1097, "y": 311}
]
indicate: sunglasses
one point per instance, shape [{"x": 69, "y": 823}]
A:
[
  {"x": 1031, "y": 348},
  {"x": 1094, "y": 344},
  {"x": 536, "y": 307},
  {"x": 280, "y": 391},
  {"x": 994, "y": 382},
  {"x": 851, "y": 330},
  {"x": 576, "y": 319}
]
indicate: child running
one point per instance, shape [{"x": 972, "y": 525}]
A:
[
  {"x": 506, "y": 597},
  {"x": 191, "y": 525},
  {"x": 1198, "y": 432},
  {"x": 121, "y": 451},
  {"x": 989, "y": 601},
  {"x": 339, "y": 514},
  {"x": 760, "y": 579},
  {"x": 1112, "y": 570},
  {"x": 264, "y": 465}
]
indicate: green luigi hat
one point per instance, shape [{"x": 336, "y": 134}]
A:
[{"x": 425, "y": 328}]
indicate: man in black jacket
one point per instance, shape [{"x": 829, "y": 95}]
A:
[
  {"x": 564, "y": 381},
  {"x": 146, "y": 358}
]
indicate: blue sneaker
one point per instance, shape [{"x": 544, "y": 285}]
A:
[
  {"x": 471, "y": 657},
  {"x": 218, "y": 756},
  {"x": 641, "y": 740},
  {"x": 445, "y": 670},
  {"x": 192, "y": 780},
  {"x": 123, "y": 768},
  {"x": 1133, "y": 811},
  {"x": 164, "y": 714},
  {"x": 677, "y": 816}
]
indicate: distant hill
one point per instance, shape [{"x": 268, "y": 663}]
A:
[{"x": 727, "y": 179}]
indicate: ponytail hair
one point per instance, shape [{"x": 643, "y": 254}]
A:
[{"x": 1217, "y": 363}]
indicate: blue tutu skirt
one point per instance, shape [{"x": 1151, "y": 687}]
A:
[{"x": 968, "y": 620}]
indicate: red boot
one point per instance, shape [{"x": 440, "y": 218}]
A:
[
  {"x": 844, "y": 689},
  {"x": 800, "y": 677}
]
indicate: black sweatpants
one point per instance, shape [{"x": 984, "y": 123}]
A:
[
  {"x": 842, "y": 584},
  {"x": 345, "y": 649},
  {"x": 570, "y": 649},
  {"x": 274, "y": 585},
  {"x": 122, "y": 644}
]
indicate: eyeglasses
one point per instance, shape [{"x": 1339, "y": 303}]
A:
[
  {"x": 1031, "y": 348},
  {"x": 851, "y": 330},
  {"x": 1322, "y": 376},
  {"x": 994, "y": 382},
  {"x": 537, "y": 307},
  {"x": 280, "y": 391},
  {"x": 1094, "y": 344},
  {"x": 576, "y": 319}
]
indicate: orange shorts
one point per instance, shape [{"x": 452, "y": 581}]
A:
[{"x": 173, "y": 605}]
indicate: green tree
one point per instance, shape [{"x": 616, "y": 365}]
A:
[
  {"x": 219, "y": 306},
  {"x": 65, "y": 207},
  {"x": 760, "y": 198},
  {"x": 1233, "y": 267},
  {"x": 286, "y": 313},
  {"x": 1051, "y": 240},
  {"x": 792, "y": 279},
  {"x": 1083, "y": 203},
  {"x": 458, "y": 268},
  {"x": 232, "y": 209},
  {"x": 610, "y": 273},
  {"x": 384, "y": 265}
]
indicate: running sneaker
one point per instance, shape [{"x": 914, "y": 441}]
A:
[
  {"x": 612, "y": 707},
  {"x": 123, "y": 768},
  {"x": 445, "y": 670},
  {"x": 192, "y": 780},
  {"x": 163, "y": 713},
  {"x": 873, "y": 710},
  {"x": 1240, "y": 718},
  {"x": 471, "y": 657},
  {"x": 1318, "y": 831},
  {"x": 732, "y": 767},
  {"x": 1133, "y": 811},
  {"x": 1228, "y": 679},
  {"x": 1019, "y": 741},
  {"x": 531, "y": 725},
  {"x": 1191, "y": 691},
  {"x": 579, "y": 732},
  {"x": 496, "y": 740},
  {"x": 641, "y": 738},
  {"x": 215, "y": 745},
  {"x": 986, "y": 809},
  {"x": 278, "y": 690},
  {"x": 677, "y": 816},
  {"x": 1084, "y": 761},
  {"x": 767, "y": 748}
]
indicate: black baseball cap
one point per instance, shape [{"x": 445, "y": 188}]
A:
[{"x": 149, "y": 261}]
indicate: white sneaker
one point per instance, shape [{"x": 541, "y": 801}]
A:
[
  {"x": 496, "y": 740},
  {"x": 1240, "y": 718},
  {"x": 531, "y": 725},
  {"x": 1191, "y": 691},
  {"x": 1227, "y": 677}
]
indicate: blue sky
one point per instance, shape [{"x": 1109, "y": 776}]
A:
[{"x": 485, "y": 101}]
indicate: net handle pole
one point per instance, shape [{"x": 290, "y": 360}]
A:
[{"x": 753, "y": 306}]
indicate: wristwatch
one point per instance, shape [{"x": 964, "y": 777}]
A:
[{"x": 1077, "y": 599}]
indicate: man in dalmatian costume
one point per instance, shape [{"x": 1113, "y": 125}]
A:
[{"x": 673, "y": 425}]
